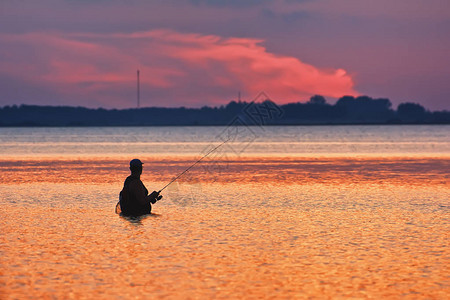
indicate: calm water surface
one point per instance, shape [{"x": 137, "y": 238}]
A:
[{"x": 276, "y": 212}]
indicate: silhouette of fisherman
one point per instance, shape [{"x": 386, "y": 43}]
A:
[{"x": 134, "y": 197}]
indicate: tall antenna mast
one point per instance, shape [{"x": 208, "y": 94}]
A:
[
  {"x": 138, "y": 91},
  {"x": 239, "y": 96}
]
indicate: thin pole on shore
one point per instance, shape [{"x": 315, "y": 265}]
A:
[{"x": 138, "y": 91}]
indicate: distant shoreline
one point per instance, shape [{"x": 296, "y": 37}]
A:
[
  {"x": 348, "y": 111},
  {"x": 220, "y": 125}
]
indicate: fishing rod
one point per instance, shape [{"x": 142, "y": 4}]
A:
[
  {"x": 211, "y": 151},
  {"x": 118, "y": 208}
]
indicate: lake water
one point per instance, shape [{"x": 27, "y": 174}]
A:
[{"x": 275, "y": 212}]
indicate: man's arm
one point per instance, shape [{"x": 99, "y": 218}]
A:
[{"x": 154, "y": 196}]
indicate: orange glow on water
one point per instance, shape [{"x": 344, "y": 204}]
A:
[
  {"x": 266, "y": 227},
  {"x": 284, "y": 170}
]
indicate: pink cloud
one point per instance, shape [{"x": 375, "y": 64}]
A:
[{"x": 177, "y": 68}]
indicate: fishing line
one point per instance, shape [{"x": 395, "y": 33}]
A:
[{"x": 211, "y": 151}]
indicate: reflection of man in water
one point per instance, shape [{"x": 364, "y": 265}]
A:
[{"x": 134, "y": 197}]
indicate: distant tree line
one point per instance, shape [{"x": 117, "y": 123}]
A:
[{"x": 347, "y": 110}]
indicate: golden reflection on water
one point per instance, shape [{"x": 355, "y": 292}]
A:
[
  {"x": 265, "y": 228},
  {"x": 286, "y": 170}
]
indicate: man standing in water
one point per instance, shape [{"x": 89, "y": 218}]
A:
[{"x": 134, "y": 197}]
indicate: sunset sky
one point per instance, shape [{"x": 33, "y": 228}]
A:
[{"x": 202, "y": 52}]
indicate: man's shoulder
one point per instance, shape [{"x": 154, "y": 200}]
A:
[{"x": 133, "y": 181}]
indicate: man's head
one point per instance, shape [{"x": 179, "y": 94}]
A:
[{"x": 136, "y": 166}]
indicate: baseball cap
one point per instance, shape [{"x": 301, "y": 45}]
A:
[{"x": 135, "y": 163}]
